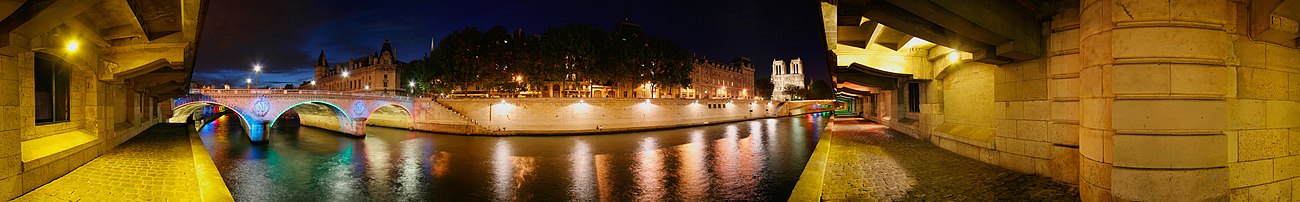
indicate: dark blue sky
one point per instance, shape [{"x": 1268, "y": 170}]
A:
[{"x": 285, "y": 36}]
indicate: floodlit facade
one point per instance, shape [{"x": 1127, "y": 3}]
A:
[
  {"x": 786, "y": 75},
  {"x": 376, "y": 73}
]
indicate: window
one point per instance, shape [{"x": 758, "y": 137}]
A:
[
  {"x": 914, "y": 97},
  {"x": 51, "y": 89}
]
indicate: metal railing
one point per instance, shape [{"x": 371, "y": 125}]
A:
[{"x": 291, "y": 92}]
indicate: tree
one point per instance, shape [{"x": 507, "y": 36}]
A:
[
  {"x": 820, "y": 90},
  {"x": 796, "y": 92},
  {"x": 764, "y": 87}
]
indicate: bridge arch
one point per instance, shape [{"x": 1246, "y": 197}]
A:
[
  {"x": 391, "y": 115},
  {"x": 321, "y": 114},
  {"x": 182, "y": 112}
]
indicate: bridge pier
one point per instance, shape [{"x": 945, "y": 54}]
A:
[
  {"x": 258, "y": 131},
  {"x": 358, "y": 127}
]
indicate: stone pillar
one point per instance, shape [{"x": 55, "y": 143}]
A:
[
  {"x": 358, "y": 127},
  {"x": 10, "y": 141},
  {"x": 258, "y": 131},
  {"x": 1153, "y": 109},
  {"x": 1063, "y": 92}
]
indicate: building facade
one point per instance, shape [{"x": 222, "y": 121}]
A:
[
  {"x": 375, "y": 73},
  {"x": 715, "y": 80},
  {"x": 785, "y": 75}
]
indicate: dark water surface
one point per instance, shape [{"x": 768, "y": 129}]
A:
[{"x": 756, "y": 160}]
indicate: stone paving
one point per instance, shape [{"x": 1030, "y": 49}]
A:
[
  {"x": 870, "y": 162},
  {"x": 157, "y": 165}
]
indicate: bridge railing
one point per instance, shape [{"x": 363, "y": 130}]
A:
[{"x": 290, "y": 92}]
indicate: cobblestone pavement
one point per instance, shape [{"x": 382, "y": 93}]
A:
[
  {"x": 870, "y": 162},
  {"x": 157, "y": 165}
]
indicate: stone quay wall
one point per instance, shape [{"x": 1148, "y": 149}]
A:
[{"x": 550, "y": 116}]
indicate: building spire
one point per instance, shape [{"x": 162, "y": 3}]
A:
[
  {"x": 321, "y": 61},
  {"x": 388, "y": 46}
]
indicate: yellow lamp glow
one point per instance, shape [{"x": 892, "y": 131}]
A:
[
  {"x": 73, "y": 45},
  {"x": 954, "y": 56}
]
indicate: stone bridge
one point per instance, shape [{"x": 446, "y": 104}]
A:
[
  {"x": 342, "y": 112},
  {"x": 350, "y": 113}
]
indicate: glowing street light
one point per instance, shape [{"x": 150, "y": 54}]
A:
[
  {"x": 257, "y": 68},
  {"x": 313, "y": 82},
  {"x": 248, "y": 80},
  {"x": 72, "y": 45},
  {"x": 345, "y": 73}
]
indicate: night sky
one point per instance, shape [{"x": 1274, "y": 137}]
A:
[{"x": 286, "y": 36}]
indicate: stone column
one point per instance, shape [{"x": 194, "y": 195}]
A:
[
  {"x": 258, "y": 131},
  {"x": 1063, "y": 92},
  {"x": 11, "y": 163},
  {"x": 1153, "y": 109},
  {"x": 358, "y": 127}
]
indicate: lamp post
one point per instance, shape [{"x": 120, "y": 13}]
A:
[{"x": 257, "y": 71}]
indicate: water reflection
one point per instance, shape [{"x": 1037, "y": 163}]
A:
[{"x": 752, "y": 160}]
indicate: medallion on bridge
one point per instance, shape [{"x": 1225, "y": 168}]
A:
[
  {"x": 261, "y": 106},
  {"x": 358, "y": 108}
]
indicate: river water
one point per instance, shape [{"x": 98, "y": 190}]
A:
[{"x": 757, "y": 160}]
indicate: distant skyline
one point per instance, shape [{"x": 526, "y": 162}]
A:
[{"x": 285, "y": 37}]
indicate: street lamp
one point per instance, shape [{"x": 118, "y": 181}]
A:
[{"x": 257, "y": 72}]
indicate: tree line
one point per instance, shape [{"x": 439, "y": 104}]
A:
[{"x": 505, "y": 61}]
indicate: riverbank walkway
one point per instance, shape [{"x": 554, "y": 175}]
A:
[
  {"x": 865, "y": 161},
  {"x": 164, "y": 163}
]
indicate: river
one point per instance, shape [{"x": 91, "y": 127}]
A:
[{"x": 758, "y": 160}]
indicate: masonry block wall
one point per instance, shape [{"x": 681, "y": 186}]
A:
[
  {"x": 1263, "y": 150},
  {"x": 566, "y": 115},
  {"x": 32, "y": 155}
]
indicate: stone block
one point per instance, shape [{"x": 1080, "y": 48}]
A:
[
  {"x": 11, "y": 141},
  {"x": 1201, "y": 11},
  {"x": 1095, "y": 17},
  {"x": 1234, "y": 153},
  {"x": 1255, "y": 83},
  {"x": 1064, "y": 41},
  {"x": 1282, "y": 114},
  {"x": 1140, "y": 10},
  {"x": 1065, "y": 164},
  {"x": 1293, "y": 87},
  {"x": 1279, "y": 57},
  {"x": 1095, "y": 113},
  {"x": 1145, "y": 115},
  {"x": 1202, "y": 79},
  {"x": 1095, "y": 173},
  {"x": 1091, "y": 143},
  {"x": 1037, "y": 110},
  {"x": 1277, "y": 191},
  {"x": 1064, "y": 64},
  {"x": 1170, "y": 152},
  {"x": 1286, "y": 167},
  {"x": 1064, "y": 134},
  {"x": 1293, "y": 141},
  {"x": 1016, "y": 110},
  {"x": 1169, "y": 42},
  {"x": 1261, "y": 144},
  {"x": 1169, "y": 185},
  {"x": 1250, "y": 173},
  {"x": 10, "y": 187},
  {"x": 1064, "y": 89},
  {"x": 1036, "y": 149},
  {"x": 1092, "y": 81},
  {"x": 1000, "y": 110},
  {"x": 1033, "y": 130},
  {"x": 1248, "y": 53},
  {"x": 1142, "y": 79},
  {"x": 1006, "y": 128},
  {"x": 1067, "y": 111},
  {"x": 1247, "y": 114}
]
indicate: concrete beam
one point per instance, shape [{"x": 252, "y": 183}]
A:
[
  {"x": 1274, "y": 21},
  {"x": 857, "y": 36},
  {"x": 1005, "y": 27}
]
